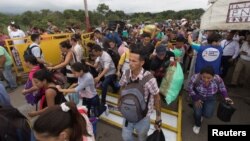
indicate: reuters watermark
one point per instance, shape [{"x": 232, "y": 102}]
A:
[{"x": 241, "y": 132}]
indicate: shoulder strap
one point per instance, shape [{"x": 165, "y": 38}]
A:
[
  {"x": 31, "y": 47},
  {"x": 54, "y": 88},
  {"x": 127, "y": 75},
  {"x": 225, "y": 45},
  {"x": 144, "y": 80},
  {"x": 74, "y": 56}
]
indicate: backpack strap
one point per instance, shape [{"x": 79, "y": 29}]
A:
[
  {"x": 127, "y": 73},
  {"x": 144, "y": 80},
  {"x": 31, "y": 47}
]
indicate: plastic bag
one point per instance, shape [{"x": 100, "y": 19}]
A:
[
  {"x": 156, "y": 136},
  {"x": 172, "y": 83},
  {"x": 225, "y": 111}
]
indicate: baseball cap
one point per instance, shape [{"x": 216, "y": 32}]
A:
[{"x": 161, "y": 49}]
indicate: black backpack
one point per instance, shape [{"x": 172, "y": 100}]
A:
[
  {"x": 28, "y": 51},
  {"x": 13, "y": 126}
]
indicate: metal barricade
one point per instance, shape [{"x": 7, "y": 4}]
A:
[{"x": 49, "y": 45}]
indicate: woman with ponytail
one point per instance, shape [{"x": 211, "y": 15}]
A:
[
  {"x": 85, "y": 87},
  {"x": 43, "y": 80},
  {"x": 31, "y": 92},
  {"x": 63, "y": 123}
]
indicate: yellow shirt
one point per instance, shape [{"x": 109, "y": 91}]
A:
[{"x": 124, "y": 58}]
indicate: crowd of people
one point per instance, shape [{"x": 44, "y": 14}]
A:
[{"x": 121, "y": 59}]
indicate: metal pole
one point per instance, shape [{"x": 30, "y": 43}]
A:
[{"x": 88, "y": 28}]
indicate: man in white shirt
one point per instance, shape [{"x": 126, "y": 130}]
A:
[
  {"x": 16, "y": 33},
  {"x": 230, "y": 52},
  {"x": 243, "y": 63},
  {"x": 108, "y": 71}
]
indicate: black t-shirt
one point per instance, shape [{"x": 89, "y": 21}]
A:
[
  {"x": 159, "y": 66},
  {"x": 147, "y": 50}
]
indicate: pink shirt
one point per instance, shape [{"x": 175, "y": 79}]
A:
[{"x": 32, "y": 71}]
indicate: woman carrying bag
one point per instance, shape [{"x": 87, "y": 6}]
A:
[{"x": 202, "y": 88}]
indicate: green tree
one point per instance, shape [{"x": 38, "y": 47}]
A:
[{"x": 102, "y": 9}]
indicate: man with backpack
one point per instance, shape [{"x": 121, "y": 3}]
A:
[
  {"x": 35, "y": 49},
  {"x": 139, "y": 95}
]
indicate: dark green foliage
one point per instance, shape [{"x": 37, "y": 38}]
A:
[{"x": 102, "y": 13}]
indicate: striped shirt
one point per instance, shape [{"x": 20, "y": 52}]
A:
[{"x": 198, "y": 90}]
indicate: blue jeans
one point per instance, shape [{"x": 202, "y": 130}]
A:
[
  {"x": 108, "y": 80},
  {"x": 7, "y": 73},
  {"x": 206, "y": 110},
  {"x": 4, "y": 96},
  {"x": 141, "y": 127}
]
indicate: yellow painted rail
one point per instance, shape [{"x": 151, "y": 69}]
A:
[{"x": 49, "y": 45}]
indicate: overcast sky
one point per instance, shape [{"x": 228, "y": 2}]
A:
[{"x": 129, "y": 6}]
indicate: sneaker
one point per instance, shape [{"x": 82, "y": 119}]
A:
[
  {"x": 196, "y": 129},
  {"x": 107, "y": 110}
]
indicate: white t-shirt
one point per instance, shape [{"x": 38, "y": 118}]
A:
[
  {"x": 36, "y": 51},
  {"x": 78, "y": 50},
  {"x": 17, "y": 34},
  {"x": 230, "y": 48},
  {"x": 106, "y": 62}
]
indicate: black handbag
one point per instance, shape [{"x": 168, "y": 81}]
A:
[
  {"x": 156, "y": 136},
  {"x": 225, "y": 111}
]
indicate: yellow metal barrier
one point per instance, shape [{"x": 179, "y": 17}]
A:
[
  {"x": 86, "y": 38},
  {"x": 49, "y": 45}
]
